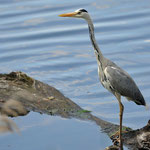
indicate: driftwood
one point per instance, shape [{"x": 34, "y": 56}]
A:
[{"x": 20, "y": 94}]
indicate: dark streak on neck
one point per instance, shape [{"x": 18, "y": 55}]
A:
[
  {"x": 96, "y": 49},
  {"x": 93, "y": 43}
]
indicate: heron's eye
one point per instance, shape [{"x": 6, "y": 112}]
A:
[{"x": 79, "y": 12}]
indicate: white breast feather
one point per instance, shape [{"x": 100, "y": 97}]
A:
[{"x": 106, "y": 82}]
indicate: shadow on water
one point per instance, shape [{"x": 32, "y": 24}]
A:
[{"x": 20, "y": 94}]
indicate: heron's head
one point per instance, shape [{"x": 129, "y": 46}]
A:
[{"x": 80, "y": 13}]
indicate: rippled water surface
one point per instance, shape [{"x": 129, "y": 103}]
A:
[{"x": 57, "y": 51}]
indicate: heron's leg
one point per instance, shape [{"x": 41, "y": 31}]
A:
[{"x": 121, "y": 107}]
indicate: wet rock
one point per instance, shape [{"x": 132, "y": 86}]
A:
[{"x": 35, "y": 95}]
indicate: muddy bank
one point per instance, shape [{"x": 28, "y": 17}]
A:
[{"x": 20, "y": 94}]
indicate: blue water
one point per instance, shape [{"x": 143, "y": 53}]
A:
[{"x": 57, "y": 51}]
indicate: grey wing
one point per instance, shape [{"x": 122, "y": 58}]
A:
[{"x": 123, "y": 84}]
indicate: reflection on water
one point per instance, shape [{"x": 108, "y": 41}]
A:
[
  {"x": 49, "y": 132},
  {"x": 58, "y": 51}
]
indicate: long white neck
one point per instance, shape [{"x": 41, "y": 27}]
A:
[{"x": 97, "y": 50}]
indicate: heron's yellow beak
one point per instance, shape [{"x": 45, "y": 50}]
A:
[{"x": 72, "y": 14}]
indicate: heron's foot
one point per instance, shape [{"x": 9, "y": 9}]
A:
[{"x": 115, "y": 137}]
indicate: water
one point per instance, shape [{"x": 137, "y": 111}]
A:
[{"x": 58, "y": 51}]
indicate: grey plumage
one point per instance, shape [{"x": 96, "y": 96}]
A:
[
  {"x": 119, "y": 81},
  {"x": 112, "y": 77}
]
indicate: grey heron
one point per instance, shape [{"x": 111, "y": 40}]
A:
[{"x": 112, "y": 77}]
